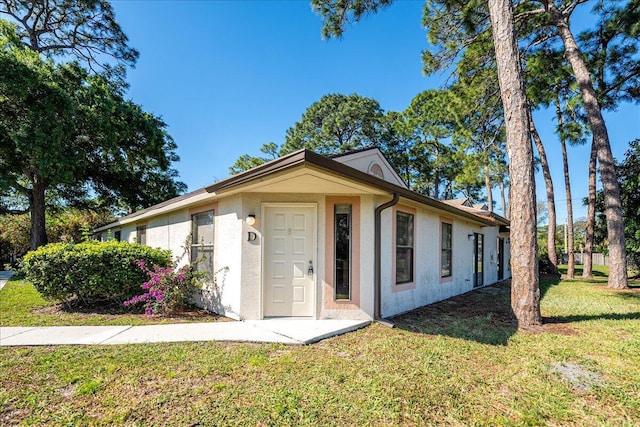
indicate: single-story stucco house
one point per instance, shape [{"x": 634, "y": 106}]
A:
[{"x": 311, "y": 236}]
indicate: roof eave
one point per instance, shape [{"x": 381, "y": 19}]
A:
[{"x": 309, "y": 157}]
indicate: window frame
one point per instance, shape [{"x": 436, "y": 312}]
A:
[
  {"x": 202, "y": 246},
  {"x": 445, "y": 222},
  {"x": 411, "y": 283},
  {"x": 328, "y": 293},
  {"x": 478, "y": 259},
  {"x": 335, "y": 251},
  {"x": 141, "y": 231}
]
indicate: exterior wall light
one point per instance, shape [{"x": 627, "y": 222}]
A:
[
  {"x": 251, "y": 219},
  {"x": 470, "y": 236}
]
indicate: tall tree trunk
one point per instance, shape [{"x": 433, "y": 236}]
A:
[
  {"x": 503, "y": 200},
  {"x": 612, "y": 201},
  {"x": 587, "y": 260},
  {"x": 525, "y": 291},
  {"x": 571, "y": 262},
  {"x": 487, "y": 185},
  {"x": 551, "y": 198},
  {"x": 37, "y": 210}
]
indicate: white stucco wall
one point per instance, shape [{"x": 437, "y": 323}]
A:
[
  {"x": 507, "y": 255},
  {"x": 224, "y": 295},
  {"x": 238, "y": 262},
  {"x": 169, "y": 231},
  {"x": 429, "y": 286},
  {"x": 490, "y": 254}
]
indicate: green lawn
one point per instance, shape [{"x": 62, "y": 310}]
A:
[
  {"x": 460, "y": 362},
  {"x": 22, "y": 305}
]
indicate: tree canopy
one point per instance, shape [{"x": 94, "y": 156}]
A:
[
  {"x": 66, "y": 131},
  {"x": 85, "y": 30},
  {"x": 629, "y": 176},
  {"x": 335, "y": 124},
  {"x": 417, "y": 141}
]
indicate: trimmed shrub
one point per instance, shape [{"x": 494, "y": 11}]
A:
[
  {"x": 544, "y": 265},
  {"x": 91, "y": 272}
]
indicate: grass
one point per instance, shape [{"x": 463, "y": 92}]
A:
[
  {"x": 459, "y": 362},
  {"x": 22, "y": 305}
]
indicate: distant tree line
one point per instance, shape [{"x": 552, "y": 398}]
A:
[{"x": 438, "y": 145}]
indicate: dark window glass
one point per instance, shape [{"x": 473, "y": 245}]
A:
[
  {"x": 202, "y": 241},
  {"x": 446, "y": 258},
  {"x": 404, "y": 247},
  {"x": 342, "y": 252},
  {"x": 117, "y": 235},
  {"x": 479, "y": 259},
  {"x": 141, "y": 234}
]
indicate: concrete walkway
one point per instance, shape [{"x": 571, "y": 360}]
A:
[
  {"x": 4, "y": 277},
  {"x": 285, "y": 331},
  {"x": 295, "y": 331}
]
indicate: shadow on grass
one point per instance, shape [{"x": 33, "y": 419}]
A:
[
  {"x": 546, "y": 283},
  {"x": 588, "y": 317},
  {"x": 577, "y": 271},
  {"x": 483, "y": 315},
  {"x": 632, "y": 296},
  {"x": 16, "y": 277}
]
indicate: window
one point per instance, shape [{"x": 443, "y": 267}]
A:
[
  {"x": 117, "y": 235},
  {"x": 141, "y": 234},
  {"x": 342, "y": 249},
  {"x": 446, "y": 257},
  {"x": 376, "y": 170},
  {"x": 404, "y": 247},
  {"x": 202, "y": 241},
  {"x": 479, "y": 259}
]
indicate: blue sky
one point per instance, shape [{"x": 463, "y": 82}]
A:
[{"x": 229, "y": 76}]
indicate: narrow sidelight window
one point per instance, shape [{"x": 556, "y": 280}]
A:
[
  {"x": 202, "y": 241},
  {"x": 342, "y": 252},
  {"x": 446, "y": 257},
  {"x": 479, "y": 259},
  {"x": 404, "y": 247},
  {"x": 141, "y": 234}
]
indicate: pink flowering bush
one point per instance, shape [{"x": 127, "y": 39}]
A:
[{"x": 167, "y": 290}]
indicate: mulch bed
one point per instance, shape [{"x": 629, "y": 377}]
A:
[
  {"x": 479, "y": 303},
  {"x": 114, "y": 310}
]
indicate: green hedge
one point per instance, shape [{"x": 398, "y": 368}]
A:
[{"x": 91, "y": 272}]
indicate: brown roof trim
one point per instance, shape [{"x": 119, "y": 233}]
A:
[
  {"x": 291, "y": 160},
  {"x": 304, "y": 156},
  {"x": 153, "y": 208},
  {"x": 497, "y": 219}
]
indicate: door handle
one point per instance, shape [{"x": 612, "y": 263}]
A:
[{"x": 310, "y": 268}]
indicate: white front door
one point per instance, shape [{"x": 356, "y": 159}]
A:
[{"x": 289, "y": 261}]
